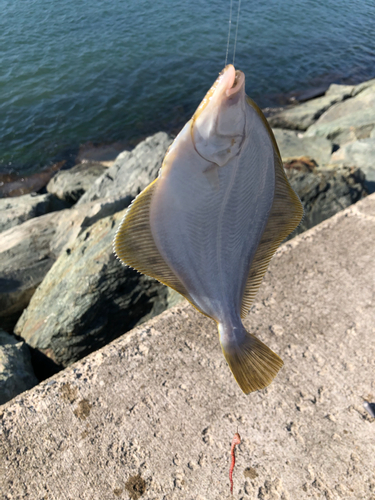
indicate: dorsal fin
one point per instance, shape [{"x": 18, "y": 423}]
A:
[
  {"x": 134, "y": 244},
  {"x": 286, "y": 214}
]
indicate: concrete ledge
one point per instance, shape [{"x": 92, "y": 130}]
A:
[{"x": 152, "y": 415}]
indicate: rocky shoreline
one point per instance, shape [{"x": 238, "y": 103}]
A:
[{"x": 63, "y": 294}]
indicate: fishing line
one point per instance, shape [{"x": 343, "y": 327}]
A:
[
  {"x": 229, "y": 30},
  {"x": 230, "y": 24},
  {"x": 235, "y": 38}
]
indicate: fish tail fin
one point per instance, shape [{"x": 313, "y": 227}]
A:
[{"x": 253, "y": 364}]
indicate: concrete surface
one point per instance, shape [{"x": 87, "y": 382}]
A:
[{"x": 152, "y": 414}]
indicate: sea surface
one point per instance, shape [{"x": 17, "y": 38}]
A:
[{"x": 118, "y": 70}]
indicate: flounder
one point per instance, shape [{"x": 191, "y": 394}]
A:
[{"x": 210, "y": 223}]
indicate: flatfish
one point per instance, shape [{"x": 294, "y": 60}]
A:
[{"x": 210, "y": 223}]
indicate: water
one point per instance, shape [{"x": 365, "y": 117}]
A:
[{"x": 106, "y": 71}]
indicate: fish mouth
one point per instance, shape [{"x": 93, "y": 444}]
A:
[
  {"x": 218, "y": 133},
  {"x": 230, "y": 84},
  {"x": 232, "y": 80},
  {"x": 239, "y": 80}
]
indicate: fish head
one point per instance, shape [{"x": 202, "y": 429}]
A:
[{"x": 218, "y": 125}]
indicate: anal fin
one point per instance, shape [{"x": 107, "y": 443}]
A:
[{"x": 286, "y": 214}]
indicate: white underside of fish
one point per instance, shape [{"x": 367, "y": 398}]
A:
[{"x": 208, "y": 230}]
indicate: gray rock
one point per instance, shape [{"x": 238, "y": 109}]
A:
[
  {"x": 293, "y": 144},
  {"x": 25, "y": 258},
  {"x": 131, "y": 172},
  {"x": 28, "y": 251},
  {"x": 362, "y": 86},
  {"x": 174, "y": 298},
  {"x": 324, "y": 192},
  {"x": 14, "y": 211},
  {"x": 360, "y": 154},
  {"x": 70, "y": 185},
  {"x": 349, "y": 120},
  {"x": 6, "y": 338},
  {"x": 88, "y": 298},
  {"x": 302, "y": 116},
  {"x": 343, "y": 91},
  {"x": 16, "y": 371}
]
